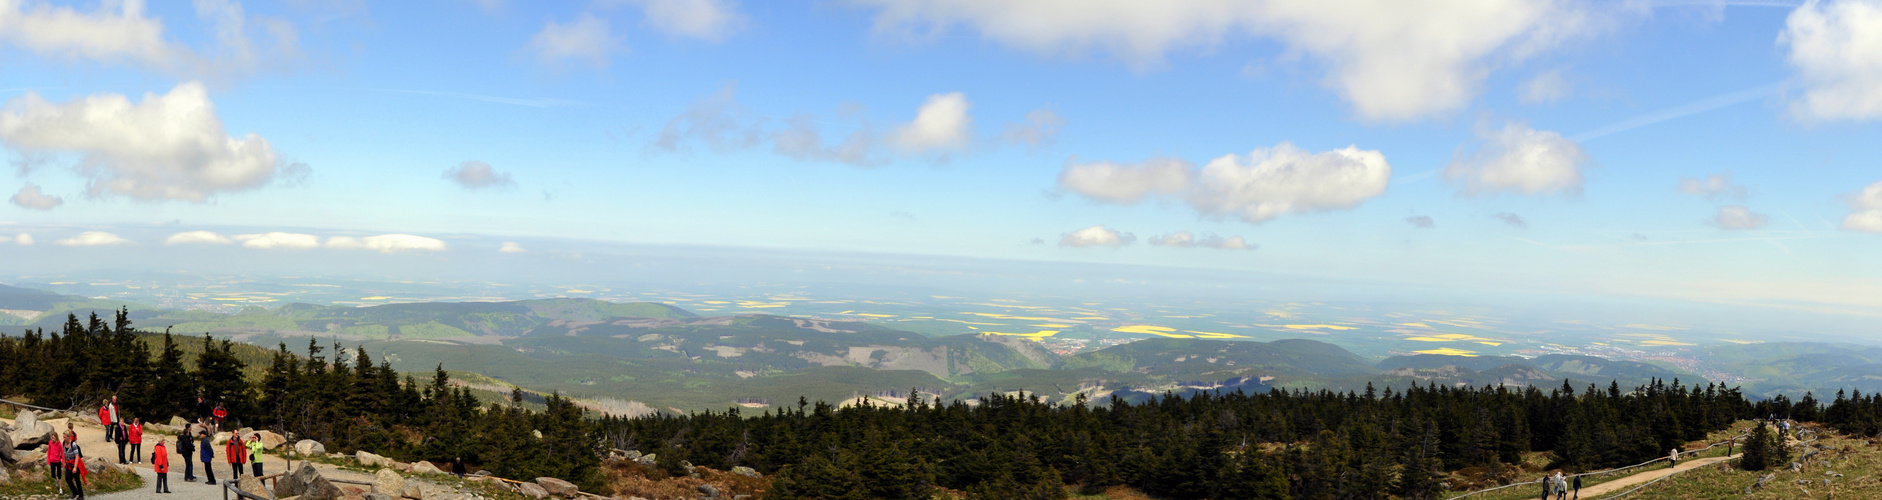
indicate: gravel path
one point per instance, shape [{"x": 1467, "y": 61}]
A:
[{"x": 91, "y": 439}]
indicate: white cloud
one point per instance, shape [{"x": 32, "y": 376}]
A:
[
  {"x": 387, "y": 243},
  {"x": 1713, "y": 187},
  {"x": 197, "y": 237},
  {"x": 1096, "y": 236},
  {"x": 1738, "y": 217},
  {"x": 718, "y": 120},
  {"x": 1421, "y": 221},
  {"x": 1126, "y": 183},
  {"x": 93, "y": 239},
  {"x": 711, "y": 20},
  {"x": 1040, "y": 128},
  {"x": 1266, "y": 183},
  {"x": 272, "y": 240},
  {"x": 1521, "y": 160},
  {"x": 473, "y": 174},
  {"x": 29, "y": 197},
  {"x": 1512, "y": 219},
  {"x": 1836, "y": 48},
  {"x": 587, "y": 39},
  {"x": 1185, "y": 239},
  {"x": 1391, "y": 60},
  {"x": 23, "y": 239},
  {"x": 1546, "y": 87},
  {"x": 941, "y": 125},
  {"x": 1284, "y": 179},
  {"x": 511, "y": 247},
  {"x": 168, "y": 147},
  {"x": 1865, "y": 210},
  {"x": 121, "y": 32}
]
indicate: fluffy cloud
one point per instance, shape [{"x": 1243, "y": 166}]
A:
[
  {"x": 1521, "y": 160},
  {"x": 168, "y": 147},
  {"x": 1126, "y": 183},
  {"x": 1713, "y": 187},
  {"x": 716, "y": 119},
  {"x": 121, "y": 32},
  {"x": 1836, "y": 48},
  {"x": 23, "y": 239},
  {"x": 1391, "y": 60},
  {"x": 1421, "y": 221},
  {"x": 1040, "y": 128},
  {"x": 1738, "y": 217},
  {"x": 1258, "y": 187},
  {"x": 474, "y": 174},
  {"x": 91, "y": 239},
  {"x": 711, "y": 20},
  {"x": 1512, "y": 219},
  {"x": 511, "y": 247},
  {"x": 1865, "y": 210},
  {"x": 197, "y": 237},
  {"x": 1185, "y": 239},
  {"x": 1546, "y": 87},
  {"x": 387, "y": 243},
  {"x": 941, "y": 125},
  {"x": 272, "y": 240},
  {"x": 29, "y": 197},
  {"x": 1096, "y": 236},
  {"x": 587, "y": 39}
]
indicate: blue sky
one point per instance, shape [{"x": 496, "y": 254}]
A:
[{"x": 1085, "y": 132}]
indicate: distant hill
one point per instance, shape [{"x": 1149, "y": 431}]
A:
[
  {"x": 1543, "y": 371},
  {"x": 26, "y": 306}
]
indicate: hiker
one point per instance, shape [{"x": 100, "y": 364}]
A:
[
  {"x": 55, "y": 462},
  {"x": 186, "y": 447},
  {"x": 1546, "y": 486},
  {"x": 74, "y": 465},
  {"x": 1672, "y": 457},
  {"x": 1577, "y": 487},
  {"x": 160, "y": 460},
  {"x": 237, "y": 454},
  {"x": 221, "y": 413},
  {"x": 207, "y": 452},
  {"x": 254, "y": 452},
  {"x": 1561, "y": 486},
  {"x": 137, "y": 440},
  {"x": 457, "y": 467},
  {"x": 123, "y": 439}
]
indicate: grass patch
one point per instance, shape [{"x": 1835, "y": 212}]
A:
[{"x": 1851, "y": 464}]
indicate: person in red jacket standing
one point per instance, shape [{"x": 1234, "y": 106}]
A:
[
  {"x": 237, "y": 453},
  {"x": 160, "y": 459},
  {"x": 104, "y": 418},
  {"x": 55, "y": 461},
  {"x": 137, "y": 440}
]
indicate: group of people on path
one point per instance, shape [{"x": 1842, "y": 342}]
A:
[
  {"x": 1559, "y": 486},
  {"x": 66, "y": 459}
]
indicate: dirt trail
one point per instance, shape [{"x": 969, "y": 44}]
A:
[
  {"x": 1622, "y": 484},
  {"x": 91, "y": 440}
]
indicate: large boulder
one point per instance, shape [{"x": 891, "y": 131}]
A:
[
  {"x": 388, "y": 482},
  {"x": 29, "y": 433},
  {"x": 424, "y": 467},
  {"x": 295, "y": 482},
  {"x": 368, "y": 459},
  {"x": 220, "y": 438},
  {"x": 253, "y": 487},
  {"x": 532, "y": 490},
  {"x": 558, "y": 487},
  {"x": 270, "y": 440},
  {"x": 321, "y": 489},
  {"x": 179, "y": 422},
  {"x": 746, "y": 471},
  {"x": 309, "y": 448},
  {"x": 6, "y": 448}
]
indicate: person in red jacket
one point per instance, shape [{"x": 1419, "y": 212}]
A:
[
  {"x": 74, "y": 465},
  {"x": 55, "y": 461},
  {"x": 160, "y": 459},
  {"x": 137, "y": 440},
  {"x": 104, "y": 419},
  {"x": 237, "y": 453}
]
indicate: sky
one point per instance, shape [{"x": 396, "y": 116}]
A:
[{"x": 1717, "y": 151}]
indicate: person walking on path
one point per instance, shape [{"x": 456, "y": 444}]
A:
[
  {"x": 1546, "y": 486},
  {"x": 55, "y": 462},
  {"x": 137, "y": 440},
  {"x": 74, "y": 466},
  {"x": 160, "y": 460},
  {"x": 1561, "y": 486},
  {"x": 1578, "y": 486},
  {"x": 207, "y": 452},
  {"x": 254, "y": 452},
  {"x": 186, "y": 447},
  {"x": 237, "y": 455}
]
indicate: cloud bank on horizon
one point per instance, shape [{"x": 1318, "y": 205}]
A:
[{"x": 1447, "y": 142}]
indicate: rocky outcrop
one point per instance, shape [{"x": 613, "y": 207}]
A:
[
  {"x": 746, "y": 471},
  {"x": 270, "y": 440},
  {"x": 254, "y": 487},
  {"x": 309, "y": 448},
  {"x": 179, "y": 422},
  {"x": 389, "y": 482},
  {"x": 368, "y": 459},
  {"x": 532, "y": 490},
  {"x": 558, "y": 487},
  {"x": 423, "y": 467},
  {"x": 295, "y": 482},
  {"x": 28, "y": 432}
]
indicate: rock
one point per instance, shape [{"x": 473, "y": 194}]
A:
[
  {"x": 6, "y": 448},
  {"x": 29, "y": 432},
  {"x": 270, "y": 440},
  {"x": 295, "y": 482},
  {"x": 536, "y": 432},
  {"x": 389, "y": 482},
  {"x": 423, "y": 467},
  {"x": 376, "y": 496},
  {"x": 1797, "y": 467},
  {"x": 321, "y": 489},
  {"x": 219, "y": 439},
  {"x": 253, "y": 487},
  {"x": 709, "y": 491},
  {"x": 368, "y": 459},
  {"x": 179, "y": 422},
  {"x": 746, "y": 471},
  {"x": 309, "y": 448},
  {"x": 557, "y": 487},
  {"x": 632, "y": 455},
  {"x": 532, "y": 490},
  {"x": 30, "y": 459},
  {"x": 648, "y": 459}
]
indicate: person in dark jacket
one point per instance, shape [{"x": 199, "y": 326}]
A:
[
  {"x": 186, "y": 446},
  {"x": 1578, "y": 486},
  {"x": 457, "y": 467},
  {"x": 123, "y": 438},
  {"x": 160, "y": 460},
  {"x": 206, "y": 451}
]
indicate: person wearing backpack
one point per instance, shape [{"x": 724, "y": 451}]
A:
[
  {"x": 74, "y": 465},
  {"x": 160, "y": 460}
]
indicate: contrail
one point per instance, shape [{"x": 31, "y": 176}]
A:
[
  {"x": 1708, "y": 104},
  {"x": 534, "y": 103}
]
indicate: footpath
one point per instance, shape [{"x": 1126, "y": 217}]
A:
[
  {"x": 91, "y": 440},
  {"x": 1624, "y": 483}
]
